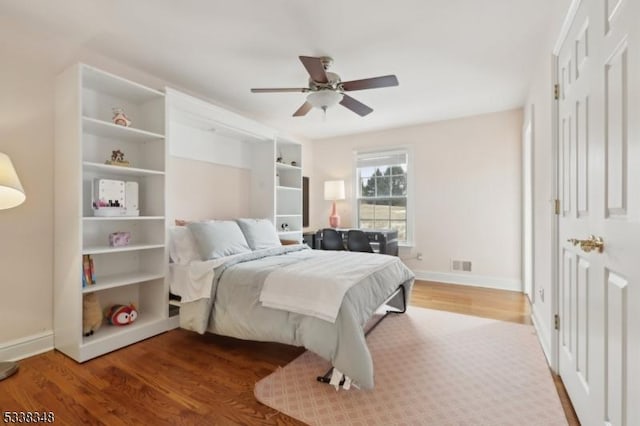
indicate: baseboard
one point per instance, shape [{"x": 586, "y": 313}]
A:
[
  {"x": 542, "y": 332},
  {"x": 174, "y": 322},
  {"x": 25, "y": 347},
  {"x": 470, "y": 280}
]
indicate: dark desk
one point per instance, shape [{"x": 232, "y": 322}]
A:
[{"x": 384, "y": 241}]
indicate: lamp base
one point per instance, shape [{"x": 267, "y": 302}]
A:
[
  {"x": 7, "y": 369},
  {"x": 334, "y": 218}
]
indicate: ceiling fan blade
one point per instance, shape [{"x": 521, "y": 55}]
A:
[
  {"x": 314, "y": 68},
  {"x": 303, "y": 110},
  {"x": 355, "y": 106},
  {"x": 274, "y": 90},
  {"x": 370, "y": 83}
]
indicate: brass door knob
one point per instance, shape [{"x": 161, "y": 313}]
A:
[{"x": 588, "y": 245}]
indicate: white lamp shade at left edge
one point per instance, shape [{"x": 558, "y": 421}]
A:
[{"x": 11, "y": 191}]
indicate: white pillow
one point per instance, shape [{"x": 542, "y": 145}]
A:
[
  {"x": 219, "y": 238},
  {"x": 182, "y": 246},
  {"x": 260, "y": 233}
]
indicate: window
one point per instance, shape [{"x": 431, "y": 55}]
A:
[{"x": 382, "y": 191}]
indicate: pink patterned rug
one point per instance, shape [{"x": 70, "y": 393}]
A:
[{"x": 432, "y": 367}]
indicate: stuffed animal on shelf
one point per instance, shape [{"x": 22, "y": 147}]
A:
[
  {"x": 91, "y": 314},
  {"x": 121, "y": 314}
]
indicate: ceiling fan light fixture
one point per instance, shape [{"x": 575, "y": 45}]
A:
[{"x": 324, "y": 99}]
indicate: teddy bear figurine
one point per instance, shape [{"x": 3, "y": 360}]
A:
[
  {"x": 120, "y": 118},
  {"x": 91, "y": 314}
]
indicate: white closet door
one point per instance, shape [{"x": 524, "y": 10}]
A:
[{"x": 599, "y": 169}]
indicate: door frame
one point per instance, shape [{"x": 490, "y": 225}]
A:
[
  {"x": 555, "y": 223},
  {"x": 528, "y": 214}
]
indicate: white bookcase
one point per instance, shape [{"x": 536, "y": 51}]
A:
[
  {"x": 84, "y": 138},
  {"x": 288, "y": 204}
]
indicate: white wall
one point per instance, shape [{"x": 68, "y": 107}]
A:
[
  {"x": 195, "y": 191},
  {"x": 26, "y": 232},
  {"x": 467, "y": 193}
]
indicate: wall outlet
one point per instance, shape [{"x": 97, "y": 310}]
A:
[
  {"x": 541, "y": 292},
  {"x": 419, "y": 256}
]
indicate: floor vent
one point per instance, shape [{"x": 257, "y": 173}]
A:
[{"x": 461, "y": 265}]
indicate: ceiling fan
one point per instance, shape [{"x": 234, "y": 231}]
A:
[{"x": 326, "y": 89}]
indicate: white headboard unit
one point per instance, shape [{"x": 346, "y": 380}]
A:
[{"x": 201, "y": 132}]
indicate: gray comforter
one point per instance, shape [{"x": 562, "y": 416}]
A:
[{"x": 234, "y": 310}]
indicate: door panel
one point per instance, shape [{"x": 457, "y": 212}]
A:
[
  {"x": 567, "y": 284},
  {"x": 567, "y": 153},
  {"x": 599, "y": 186},
  {"x": 582, "y": 322},
  {"x": 616, "y": 348},
  {"x": 616, "y": 138},
  {"x": 613, "y": 7},
  {"x": 582, "y": 156},
  {"x": 582, "y": 49}
]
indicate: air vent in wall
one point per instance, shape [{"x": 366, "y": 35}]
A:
[{"x": 461, "y": 265}]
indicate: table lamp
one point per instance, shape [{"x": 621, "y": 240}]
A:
[
  {"x": 11, "y": 195},
  {"x": 334, "y": 190}
]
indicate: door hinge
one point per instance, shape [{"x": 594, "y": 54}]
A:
[
  {"x": 556, "y": 206},
  {"x": 556, "y": 321},
  {"x": 556, "y": 91}
]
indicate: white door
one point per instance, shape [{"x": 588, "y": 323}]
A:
[{"x": 599, "y": 177}]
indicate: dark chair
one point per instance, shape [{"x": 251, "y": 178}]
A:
[
  {"x": 331, "y": 240},
  {"x": 358, "y": 241}
]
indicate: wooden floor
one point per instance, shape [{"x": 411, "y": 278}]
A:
[{"x": 181, "y": 377}]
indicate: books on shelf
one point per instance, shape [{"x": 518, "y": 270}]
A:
[{"x": 88, "y": 272}]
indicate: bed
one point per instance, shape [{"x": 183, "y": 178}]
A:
[{"x": 277, "y": 294}]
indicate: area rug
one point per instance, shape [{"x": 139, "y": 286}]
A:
[{"x": 431, "y": 368}]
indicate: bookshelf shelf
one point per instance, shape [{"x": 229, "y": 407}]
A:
[
  {"x": 108, "y": 330},
  {"x": 118, "y": 280},
  {"x": 131, "y": 247},
  {"x": 112, "y": 337},
  {"x": 119, "y": 170},
  {"x": 102, "y": 81},
  {"x": 287, "y": 188},
  {"x": 288, "y": 233},
  {"x": 283, "y": 166},
  {"x": 118, "y": 218},
  {"x": 109, "y": 130}
]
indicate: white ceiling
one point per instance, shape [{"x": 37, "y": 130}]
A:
[{"x": 452, "y": 57}]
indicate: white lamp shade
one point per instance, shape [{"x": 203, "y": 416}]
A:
[
  {"x": 324, "y": 98},
  {"x": 11, "y": 192},
  {"x": 334, "y": 190}
]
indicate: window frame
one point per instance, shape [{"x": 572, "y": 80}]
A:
[{"x": 408, "y": 150}]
